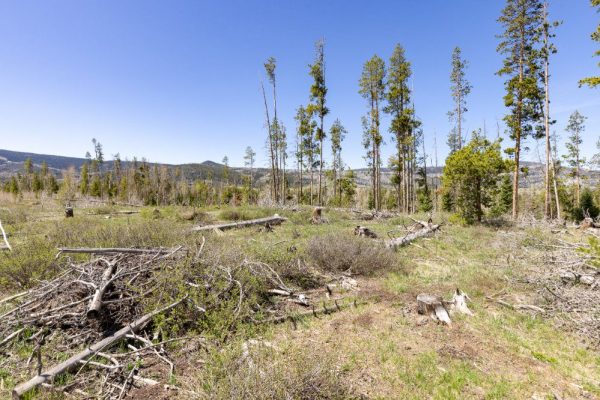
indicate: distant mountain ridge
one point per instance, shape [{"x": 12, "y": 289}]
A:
[{"x": 11, "y": 162}]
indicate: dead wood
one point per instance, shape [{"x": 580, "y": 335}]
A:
[
  {"x": 421, "y": 229},
  {"x": 364, "y": 231},
  {"x": 5, "y": 238},
  {"x": 274, "y": 220},
  {"x": 317, "y": 216},
  {"x": 112, "y": 250},
  {"x": 72, "y": 362},
  {"x": 439, "y": 309},
  {"x": 96, "y": 303}
]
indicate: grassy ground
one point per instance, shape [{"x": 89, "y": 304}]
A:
[{"x": 379, "y": 349}]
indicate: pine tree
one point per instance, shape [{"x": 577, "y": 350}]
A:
[
  {"x": 337, "y": 133},
  {"x": 593, "y": 81},
  {"x": 573, "y": 157},
  {"x": 249, "y": 158},
  {"x": 273, "y": 138},
  {"x": 85, "y": 179},
  {"x": 318, "y": 92},
  {"x": 473, "y": 173},
  {"x": 372, "y": 88},
  {"x": 398, "y": 99},
  {"x": 521, "y": 20},
  {"x": 460, "y": 89},
  {"x": 302, "y": 131}
]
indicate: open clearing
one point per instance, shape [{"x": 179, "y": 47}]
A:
[{"x": 376, "y": 346}]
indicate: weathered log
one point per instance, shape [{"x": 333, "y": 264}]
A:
[
  {"x": 112, "y": 250},
  {"x": 427, "y": 229},
  {"x": 274, "y": 220},
  {"x": 5, "y": 237},
  {"x": 96, "y": 303},
  {"x": 73, "y": 361}
]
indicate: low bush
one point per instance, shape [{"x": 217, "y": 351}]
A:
[{"x": 346, "y": 253}]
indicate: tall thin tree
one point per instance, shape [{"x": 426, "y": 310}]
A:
[
  {"x": 318, "y": 93},
  {"x": 398, "y": 106},
  {"x": 575, "y": 127},
  {"x": 372, "y": 88},
  {"x": 460, "y": 89},
  {"x": 521, "y": 20},
  {"x": 548, "y": 48}
]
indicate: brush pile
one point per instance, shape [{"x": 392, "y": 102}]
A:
[
  {"x": 81, "y": 314},
  {"x": 570, "y": 284},
  {"x": 98, "y": 329}
]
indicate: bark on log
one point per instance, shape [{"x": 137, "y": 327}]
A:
[
  {"x": 112, "y": 250},
  {"x": 72, "y": 362},
  {"x": 427, "y": 229},
  {"x": 274, "y": 220},
  {"x": 96, "y": 303},
  {"x": 4, "y": 237}
]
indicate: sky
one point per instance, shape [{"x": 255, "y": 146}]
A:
[{"x": 179, "y": 81}]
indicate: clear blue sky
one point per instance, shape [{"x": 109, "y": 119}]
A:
[{"x": 178, "y": 81}]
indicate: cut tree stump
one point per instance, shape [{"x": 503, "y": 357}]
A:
[
  {"x": 364, "y": 231},
  {"x": 439, "y": 309},
  {"x": 433, "y": 306},
  {"x": 317, "y": 216},
  {"x": 274, "y": 220}
]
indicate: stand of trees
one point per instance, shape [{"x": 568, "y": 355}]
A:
[{"x": 526, "y": 43}]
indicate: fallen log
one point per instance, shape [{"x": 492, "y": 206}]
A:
[
  {"x": 274, "y": 220},
  {"x": 96, "y": 303},
  {"x": 74, "y": 361},
  {"x": 427, "y": 228},
  {"x": 112, "y": 250},
  {"x": 5, "y": 238}
]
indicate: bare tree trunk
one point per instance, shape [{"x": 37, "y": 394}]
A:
[
  {"x": 271, "y": 145},
  {"x": 320, "y": 165},
  {"x": 547, "y": 202}
]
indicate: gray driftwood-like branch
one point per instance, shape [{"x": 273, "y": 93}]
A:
[
  {"x": 74, "y": 361},
  {"x": 274, "y": 220},
  {"x": 422, "y": 229},
  {"x": 112, "y": 250},
  {"x": 7, "y": 247}
]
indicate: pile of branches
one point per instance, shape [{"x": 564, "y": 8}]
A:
[
  {"x": 96, "y": 314},
  {"x": 85, "y": 312},
  {"x": 569, "y": 281}
]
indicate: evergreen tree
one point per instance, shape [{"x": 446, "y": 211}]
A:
[
  {"x": 302, "y": 132},
  {"x": 521, "y": 20},
  {"x": 337, "y": 133},
  {"x": 84, "y": 181},
  {"x": 573, "y": 157},
  {"x": 372, "y": 88},
  {"x": 473, "y": 173},
  {"x": 318, "y": 92},
  {"x": 402, "y": 124},
  {"x": 460, "y": 89},
  {"x": 503, "y": 200},
  {"x": 593, "y": 81},
  {"x": 249, "y": 158}
]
